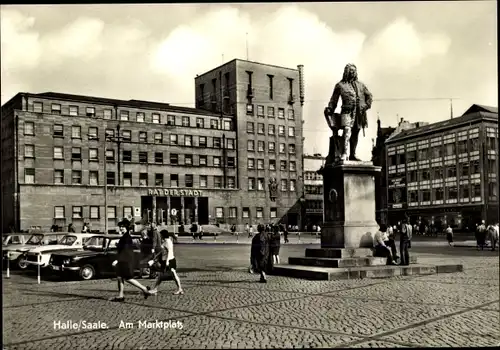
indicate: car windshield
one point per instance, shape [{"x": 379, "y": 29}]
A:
[
  {"x": 35, "y": 239},
  {"x": 94, "y": 243},
  {"x": 5, "y": 239},
  {"x": 113, "y": 243},
  {"x": 68, "y": 240}
]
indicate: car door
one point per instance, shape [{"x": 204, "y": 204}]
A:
[
  {"x": 110, "y": 254},
  {"x": 137, "y": 253}
]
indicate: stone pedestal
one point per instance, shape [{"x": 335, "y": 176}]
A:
[{"x": 349, "y": 205}]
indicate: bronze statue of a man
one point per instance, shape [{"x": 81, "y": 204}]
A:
[{"x": 356, "y": 100}]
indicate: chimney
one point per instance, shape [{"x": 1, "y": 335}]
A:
[{"x": 300, "y": 67}]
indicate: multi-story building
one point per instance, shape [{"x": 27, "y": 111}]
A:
[
  {"x": 74, "y": 159},
  {"x": 313, "y": 190},
  {"x": 445, "y": 172},
  {"x": 267, "y": 103}
]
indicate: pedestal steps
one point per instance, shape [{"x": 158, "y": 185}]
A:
[{"x": 340, "y": 263}]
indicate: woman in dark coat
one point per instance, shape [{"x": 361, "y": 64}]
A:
[
  {"x": 124, "y": 263},
  {"x": 260, "y": 253}
]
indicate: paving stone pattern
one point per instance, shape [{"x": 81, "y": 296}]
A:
[{"x": 224, "y": 308}]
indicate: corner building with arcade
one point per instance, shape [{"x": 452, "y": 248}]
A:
[{"x": 70, "y": 158}]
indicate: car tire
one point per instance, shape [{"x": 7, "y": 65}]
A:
[
  {"x": 87, "y": 272},
  {"x": 21, "y": 263}
]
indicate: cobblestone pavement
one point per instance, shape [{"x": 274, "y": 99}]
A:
[{"x": 225, "y": 307}]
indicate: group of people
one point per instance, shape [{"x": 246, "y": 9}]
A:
[
  {"x": 483, "y": 232},
  {"x": 384, "y": 243},
  {"x": 265, "y": 249},
  {"x": 157, "y": 249},
  {"x": 280, "y": 228}
]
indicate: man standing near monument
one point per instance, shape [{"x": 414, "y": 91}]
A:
[{"x": 356, "y": 100}]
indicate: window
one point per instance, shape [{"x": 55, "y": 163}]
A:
[
  {"x": 437, "y": 173},
  {"x": 425, "y": 175},
  {"x": 143, "y": 137},
  {"x": 159, "y": 157},
  {"x": 202, "y": 141},
  {"x": 188, "y": 159},
  {"x": 272, "y": 129},
  {"x": 158, "y": 138},
  {"x": 260, "y": 146},
  {"x": 58, "y": 152},
  {"x": 186, "y": 121},
  {"x": 274, "y": 213},
  {"x": 474, "y": 167},
  {"x": 464, "y": 170},
  {"x": 203, "y": 160},
  {"x": 231, "y": 182},
  {"x": 260, "y": 111},
  {"x": 439, "y": 194},
  {"x": 108, "y": 114},
  {"x": 251, "y": 163},
  {"x": 110, "y": 177},
  {"x": 93, "y": 132},
  {"x": 218, "y": 181},
  {"x": 464, "y": 191},
  {"x": 76, "y": 132},
  {"x": 127, "y": 179},
  {"x": 463, "y": 146},
  {"x": 110, "y": 155},
  {"x": 260, "y": 184},
  {"x": 90, "y": 112},
  {"x": 422, "y": 154},
  {"x": 272, "y": 147},
  {"x": 94, "y": 212},
  {"x": 437, "y": 152},
  {"x": 233, "y": 212},
  {"x": 29, "y": 176},
  {"x": 250, "y": 128},
  {"x": 214, "y": 124},
  {"x": 200, "y": 123},
  {"x": 491, "y": 143},
  {"x": 251, "y": 145},
  {"x": 76, "y": 177},
  {"x": 139, "y": 117},
  {"x": 260, "y": 212},
  {"x": 230, "y": 143},
  {"x": 55, "y": 108},
  {"x": 58, "y": 212},
  {"x": 111, "y": 213},
  {"x": 291, "y": 131},
  {"x": 188, "y": 140},
  {"x": 216, "y": 142},
  {"x": 426, "y": 195},
  {"x": 272, "y": 164},
  {"x": 29, "y": 128},
  {"x": 59, "y": 177},
  {"x": 174, "y": 180},
  {"x": 73, "y": 111},
  {"x": 171, "y": 120},
  {"x": 261, "y": 128},
  {"x": 110, "y": 134},
  {"x": 188, "y": 180},
  {"x": 174, "y": 158},
  {"x": 452, "y": 192},
  {"x": 270, "y": 112},
  {"x": 492, "y": 190},
  {"x": 291, "y": 148},
  {"x": 231, "y": 162},
  {"x": 293, "y": 166},
  {"x": 281, "y": 113},
  {"x": 77, "y": 213},
  {"x": 474, "y": 144},
  {"x": 413, "y": 196},
  {"x": 127, "y": 212},
  {"x": 156, "y": 118},
  {"x": 76, "y": 153},
  {"x": 173, "y": 139},
  {"x": 143, "y": 157},
  {"x": 260, "y": 164},
  {"x": 412, "y": 176},
  {"x": 245, "y": 212},
  {"x": 284, "y": 185},
  {"x": 291, "y": 114},
  {"x": 203, "y": 180},
  {"x": 219, "y": 212},
  {"x": 127, "y": 135},
  {"x": 29, "y": 151},
  {"x": 450, "y": 149},
  {"x": 282, "y": 148},
  {"x": 93, "y": 178},
  {"x": 124, "y": 115},
  {"x": 158, "y": 179},
  {"x": 281, "y": 130},
  {"x": 143, "y": 179},
  {"x": 127, "y": 156},
  {"x": 451, "y": 171},
  {"x": 491, "y": 166},
  {"x": 217, "y": 161},
  {"x": 251, "y": 183},
  {"x": 249, "y": 109},
  {"x": 271, "y": 92},
  {"x": 283, "y": 165},
  {"x": 412, "y": 156}
]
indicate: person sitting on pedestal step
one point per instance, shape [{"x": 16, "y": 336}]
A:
[
  {"x": 381, "y": 249},
  {"x": 391, "y": 241}
]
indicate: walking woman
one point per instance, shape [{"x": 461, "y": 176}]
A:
[
  {"x": 260, "y": 252},
  {"x": 449, "y": 235},
  {"x": 167, "y": 262},
  {"x": 124, "y": 262},
  {"x": 275, "y": 244}
]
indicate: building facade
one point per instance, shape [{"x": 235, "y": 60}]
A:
[
  {"x": 74, "y": 159},
  {"x": 266, "y": 101},
  {"x": 445, "y": 172},
  {"x": 313, "y": 190}
]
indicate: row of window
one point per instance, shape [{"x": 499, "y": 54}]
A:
[
  {"x": 292, "y": 165},
  {"x": 261, "y": 129},
  {"x": 313, "y": 189},
  {"x": 232, "y": 212},
  {"x": 271, "y": 147},
  {"x": 270, "y": 112},
  {"x": 140, "y": 117},
  {"x": 312, "y": 175},
  {"x": 438, "y": 173},
  {"x": 259, "y": 184},
  {"x": 449, "y": 149}
]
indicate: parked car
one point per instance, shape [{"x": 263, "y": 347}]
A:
[
  {"x": 95, "y": 259},
  {"x": 15, "y": 252},
  {"x": 70, "y": 242},
  {"x": 14, "y": 238}
]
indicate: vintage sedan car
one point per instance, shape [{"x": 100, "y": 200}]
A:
[
  {"x": 70, "y": 242},
  {"x": 14, "y": 238},
  {"x": 95, "y": 259},
  {"x": 16, "y": 252}
]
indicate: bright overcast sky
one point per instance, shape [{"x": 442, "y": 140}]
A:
[{"x": 403, "y": 50}]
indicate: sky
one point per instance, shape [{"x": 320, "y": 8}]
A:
[{"x": 413, "y": 56}]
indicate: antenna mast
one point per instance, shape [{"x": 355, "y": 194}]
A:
[
  {"x": 246, "y": 43},
  {"x": 451, "y": 108}
]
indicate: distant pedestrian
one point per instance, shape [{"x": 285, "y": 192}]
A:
[
  {"x": 275, "y": 243},
  {"x": 167, "y": 262},
  {"x": 318, "y": 231},
  {"x": 285, "y": 233},
  {"x": 493, "y": 235},
  {"x": 449, "y": 235},
  {"x": 250, "y": 231},
  {"x": 405, "y": 242},
  {"x": 200, "y": 232},
  {"x": 481, "y": 235},
  {"x": 233, "y": 229},
  {"x": 71, "y": 228},
  {"x": 85, "y": 228}
]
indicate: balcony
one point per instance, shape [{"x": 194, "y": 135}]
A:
[
  {"x": 250, "y": 92},
  {"x": 291, "y": 99}
]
